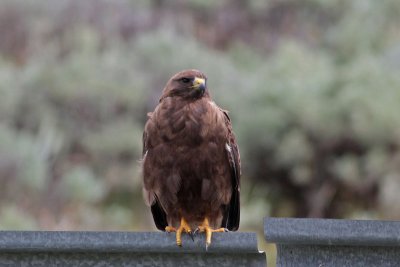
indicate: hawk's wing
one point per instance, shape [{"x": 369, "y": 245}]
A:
[
  {"x": 231, "y": 217},
  {"x": 159, "y": 214}
]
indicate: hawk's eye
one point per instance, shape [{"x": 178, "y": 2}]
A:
[{"x": 185, "y": 80}]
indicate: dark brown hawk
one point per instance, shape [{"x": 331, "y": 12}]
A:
[{"x": 191, "y": 164}]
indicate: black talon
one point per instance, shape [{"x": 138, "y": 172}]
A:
[{"x": 191, "y": 234}]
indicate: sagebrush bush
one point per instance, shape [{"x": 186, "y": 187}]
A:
[{"x": 313, "y": 94}]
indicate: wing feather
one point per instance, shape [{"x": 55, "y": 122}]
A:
[
  {"x": 231, "y": 218},
  {"x": 159, "y": 215},
  {"x": 158, "y": 212}
]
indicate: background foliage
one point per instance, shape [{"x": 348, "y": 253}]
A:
[{"x": 313, "y": 89}]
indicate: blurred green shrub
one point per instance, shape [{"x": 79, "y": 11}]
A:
[{"x": 312, "y": 88}]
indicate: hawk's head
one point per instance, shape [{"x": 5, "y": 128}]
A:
[{"x": 189, "y": 84}]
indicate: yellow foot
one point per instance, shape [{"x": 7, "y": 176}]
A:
[
  {"x": 184, "y": 227},
  {"x": 205, "y": 227}
]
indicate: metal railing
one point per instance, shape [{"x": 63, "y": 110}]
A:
[
  {"x": 330, "y": 242},
  {"x": 47, "y": 248},
  {"x": 299, "y": 242}
]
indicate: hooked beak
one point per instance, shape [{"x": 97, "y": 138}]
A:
[{"x": 199, "y": 84}]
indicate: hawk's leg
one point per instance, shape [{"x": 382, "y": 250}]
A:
[
  {"x": 184, "y": 227},
  {"x": 205, "y": 227}
]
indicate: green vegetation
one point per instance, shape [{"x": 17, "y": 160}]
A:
[{"x": 313, "y": 89}]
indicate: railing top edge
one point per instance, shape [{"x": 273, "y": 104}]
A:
[
  {"x": 114, "y": 241},
  {"x": 332, "y": 232}
]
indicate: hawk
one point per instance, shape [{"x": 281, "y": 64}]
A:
[{"x": 191, "y": 163}]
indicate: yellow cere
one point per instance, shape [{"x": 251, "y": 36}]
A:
[{"x": 198, "y": 81}]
